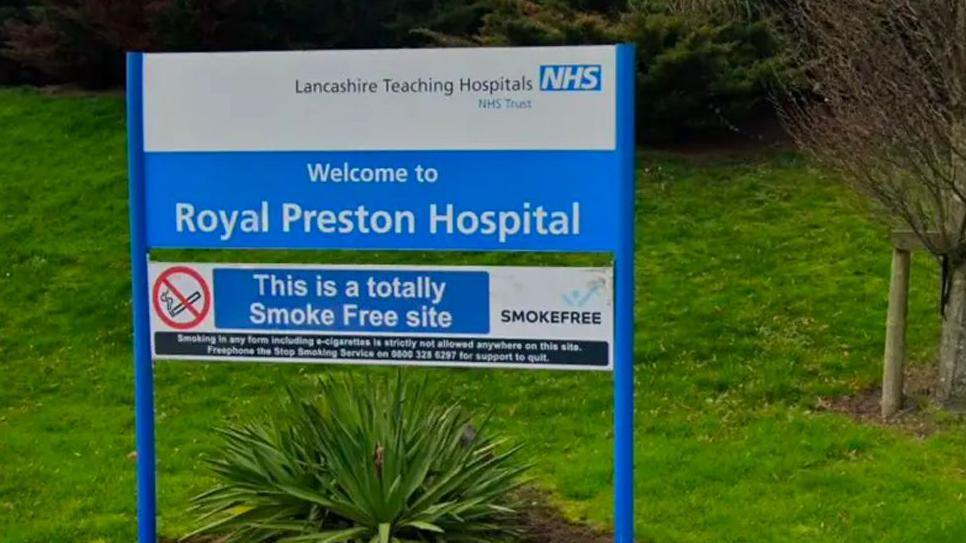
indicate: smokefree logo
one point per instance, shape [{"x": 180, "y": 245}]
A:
[{"x": 570, "y": 77}]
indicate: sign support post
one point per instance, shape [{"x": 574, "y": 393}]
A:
[
  {"x": 624, "y": 302},
  {"x": 143, "y": 370}
]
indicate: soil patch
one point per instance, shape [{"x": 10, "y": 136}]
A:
[
  {"x": 864, "y": 405},
  {"x": 541, "y": 522}
]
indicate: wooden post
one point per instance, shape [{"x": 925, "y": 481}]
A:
[{"x": 895, "y": 345}]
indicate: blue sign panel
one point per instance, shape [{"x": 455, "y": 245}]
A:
[
  {"x": 352, "y": 300},
  {"x": 473, "y": 200}
]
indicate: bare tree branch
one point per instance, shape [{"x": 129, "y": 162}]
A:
[{"x": 884, "y": 105}]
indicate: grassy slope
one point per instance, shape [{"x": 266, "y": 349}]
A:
[{"x": 761, "y": 287}]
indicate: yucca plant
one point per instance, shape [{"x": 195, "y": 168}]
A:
[{"x": 361, "y": 461}]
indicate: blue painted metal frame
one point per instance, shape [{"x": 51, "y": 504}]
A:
[
  {"x": 143, "y": 370},
  {"x": 624, "y": 302},
  {"x": 624, "y": 294}
]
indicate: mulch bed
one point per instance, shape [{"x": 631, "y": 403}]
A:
[
  {"x": 864, "y": 406},
  {"x": 541, "y": 522}
]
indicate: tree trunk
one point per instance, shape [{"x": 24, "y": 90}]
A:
[{"x": 951, "y": 392}]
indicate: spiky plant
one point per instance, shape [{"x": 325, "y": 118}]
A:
[{"x": 361, "y": 461}]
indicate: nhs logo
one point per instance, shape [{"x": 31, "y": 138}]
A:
[{"x": 570, "y": 77}]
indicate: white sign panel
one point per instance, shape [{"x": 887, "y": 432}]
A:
[
  {"x": 552, "y": 98},
  {"x": 525, "y": 317}
]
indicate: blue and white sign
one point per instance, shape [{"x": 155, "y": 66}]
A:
[
  {"x": 514, "y": 317},
  {"x": 495, "y": 149},
  {"x": 478, "y": 149}
]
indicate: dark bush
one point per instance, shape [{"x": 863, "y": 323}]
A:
[
  {"x": 704, "y": 65},
  {"x": 700, "y": 71},
  {"x": 83, "y": 41},
  {"x": 276, "y": 24},
  {"x": 11, "y": 12},
  {"x": 524, "y": 22},
  {"x": 80, "y": 40}
]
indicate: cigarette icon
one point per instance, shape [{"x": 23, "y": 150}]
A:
[{"x": 175, "y": 308}]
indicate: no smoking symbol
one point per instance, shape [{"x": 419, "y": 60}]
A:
[{"x": 181, "y": 297}]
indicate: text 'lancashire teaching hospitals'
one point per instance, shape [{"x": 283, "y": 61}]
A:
[{"x": 437, "y": 219}]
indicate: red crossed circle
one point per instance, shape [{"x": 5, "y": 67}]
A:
[{"x": 198, "y": 313}]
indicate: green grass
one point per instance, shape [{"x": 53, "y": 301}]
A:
[{"x": 761, "y": 287}]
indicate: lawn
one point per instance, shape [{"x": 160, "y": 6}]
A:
[{"x": 761, "y": 288}]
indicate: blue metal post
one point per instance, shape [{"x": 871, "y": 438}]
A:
[
  {"x": 624, "y": 292},
  {"x": 143, "y": 372}
]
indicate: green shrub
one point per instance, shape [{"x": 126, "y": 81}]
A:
[
  {"x": 701, "y": 67},
  {"x": 704, "y": 66},
  {"x": 525, "y": 22},
  {"x": 368, "y": 461},
  {"x": 701, "y": 71}
]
